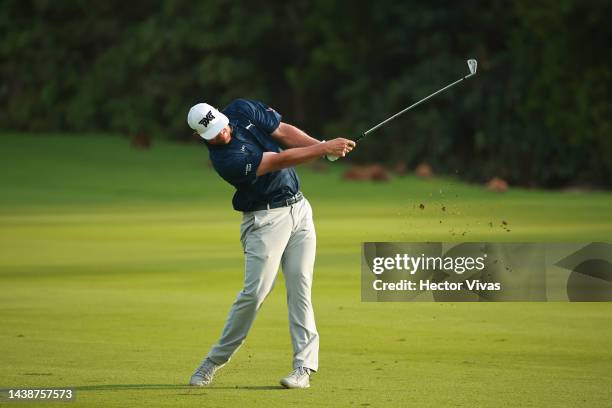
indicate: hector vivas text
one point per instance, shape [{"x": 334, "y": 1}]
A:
[{"x": 413, "y": 264}]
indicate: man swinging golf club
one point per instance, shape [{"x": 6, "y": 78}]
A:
[{"x": 254, "y": 151}]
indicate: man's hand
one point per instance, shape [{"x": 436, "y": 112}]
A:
[{"x": 339, "y": 147}]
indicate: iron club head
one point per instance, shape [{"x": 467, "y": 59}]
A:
[{"x": 472, "y": 65}]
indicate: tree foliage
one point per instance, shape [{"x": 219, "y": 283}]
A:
[{"x": 538, "y": 113}]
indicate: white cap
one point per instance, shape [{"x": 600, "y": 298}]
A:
[{"x": 206, "y": 120}]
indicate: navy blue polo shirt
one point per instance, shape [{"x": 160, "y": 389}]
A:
[{"x": 252, "y": 122}]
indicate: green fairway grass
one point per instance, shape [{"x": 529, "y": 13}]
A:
[{"x": 118, "y": 267}]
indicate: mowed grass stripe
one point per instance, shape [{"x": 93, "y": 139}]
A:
[{"x": 117, "y": 269}]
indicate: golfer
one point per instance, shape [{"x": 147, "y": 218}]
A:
[{"x": 254, "y": 151}]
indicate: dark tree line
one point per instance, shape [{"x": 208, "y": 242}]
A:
[{"x": 538, "y": 113}]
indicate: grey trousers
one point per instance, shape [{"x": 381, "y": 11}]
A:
[{"x": 281, "y": 236}]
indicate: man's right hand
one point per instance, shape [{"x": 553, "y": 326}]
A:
[{"x": 339, "y": 147}]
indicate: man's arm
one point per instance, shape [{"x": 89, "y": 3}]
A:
[
  {"x": 272, "y": 161},
  {"x": 290, "y": 137}
]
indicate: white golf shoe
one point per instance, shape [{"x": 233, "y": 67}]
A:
[
  {"x": 203, "y": 375},
  {"x": 299, "y": 378}
]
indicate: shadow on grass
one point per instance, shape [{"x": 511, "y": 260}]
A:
[{"x": 119, "y": 387}]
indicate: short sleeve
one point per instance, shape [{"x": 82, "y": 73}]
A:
[
  {"x": 263, "y": 116},
  {"x": 241, "y": 168}
]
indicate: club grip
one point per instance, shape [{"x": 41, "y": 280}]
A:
[
  {"x": 358, "y": 138},
  {"x": 333, "y": 158}
]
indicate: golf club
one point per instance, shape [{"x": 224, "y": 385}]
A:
[{"x": 472, "y": 65}]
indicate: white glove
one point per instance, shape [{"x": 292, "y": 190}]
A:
[{"x": 330, "y": 157}]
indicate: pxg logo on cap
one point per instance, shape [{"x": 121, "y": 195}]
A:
[{"x": 206, "y": 120}]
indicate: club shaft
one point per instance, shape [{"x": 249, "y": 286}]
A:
[{"x": 364, "y": 134}]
